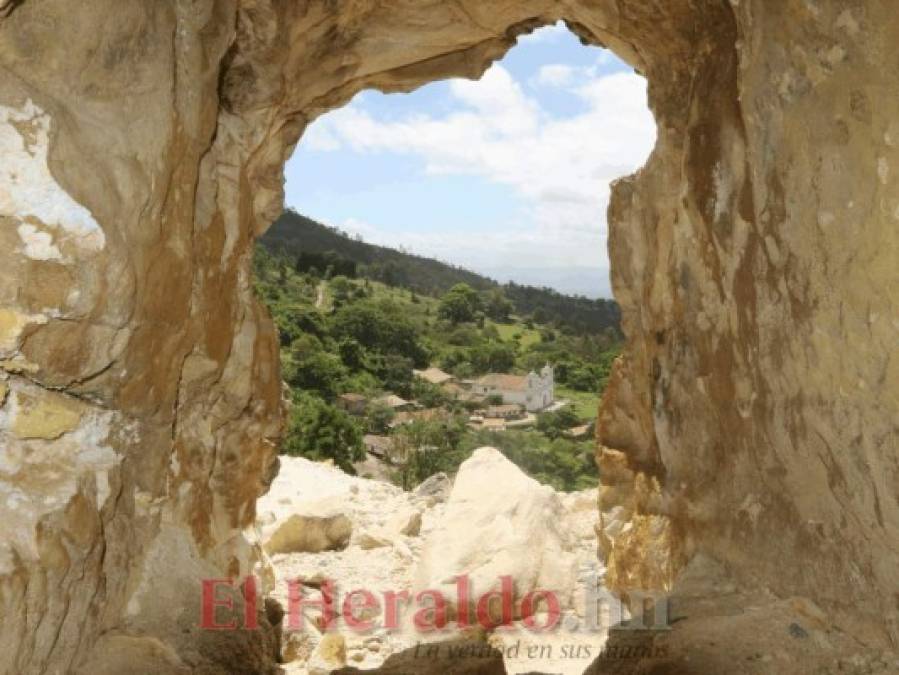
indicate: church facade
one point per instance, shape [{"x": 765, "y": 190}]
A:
[{"x": 534, "y": 391}]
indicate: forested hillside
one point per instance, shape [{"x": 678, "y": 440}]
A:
[
  {"x": 323, "y": 250},
  {"x": 343, "y": 336}
]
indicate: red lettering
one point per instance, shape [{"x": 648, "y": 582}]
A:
[
  {"x": 505, "y": 596},
  {"x": 296, "y": 602},
  {"x": 429, "y": 619},
  {"x": 210, "y": 602},
  {"x": 250, "y": 600},
  {"x": 463, "y": 600},
  {"x": 391, "y": 608},
  {"x": 553, "y": 612},
  {"x": 368, "y": 602}
]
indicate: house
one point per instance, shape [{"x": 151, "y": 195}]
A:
[
  {"x": 453, "y": 389},
  {"x": 510, "y": 411},
  {"x": 473, "y": 399},
  {"x": 379, "y": 446},
  {"x": 397, "y": 403},
  {"x": 534, "y": 392},
  {"x": 434, "y": 376},
  {"x": 491, "y": 424},
  {"x": 354, "y": 404},
  {"x": 461, "y": 393}
]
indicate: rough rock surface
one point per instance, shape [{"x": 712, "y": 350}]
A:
[
  {"x": 377, "y": 558},
  {"x": 382, "y": 558},
  {"x": 301, "y": 514},
  {"x": 314, "y": 527},
  {"x": 498, "y": 522},
  {"x": 751, "y": 420}
]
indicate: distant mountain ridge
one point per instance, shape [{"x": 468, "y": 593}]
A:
[{"x": 312, "y": 243}]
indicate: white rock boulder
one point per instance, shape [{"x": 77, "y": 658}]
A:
[
  {"x": 436, "y": 488},
  {"x": 499, "y": 522},
  {"x": 406, "y": 521}
]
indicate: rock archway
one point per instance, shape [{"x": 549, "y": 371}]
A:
[{"x": 751, "y": 422}]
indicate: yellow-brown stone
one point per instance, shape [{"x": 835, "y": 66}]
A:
[
  {"x": 46, "y": 416},
  {"x": 754, "y": 259},
  {"x": 11, "y": 325}
]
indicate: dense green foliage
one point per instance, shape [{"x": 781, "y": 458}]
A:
[
  {"x": 460, "y": 304},
  {"x": 576, "y": 313},
  {"x": 321, "y": 431},
  {"x": 425, "y": 448},
  {"x": 554, "y": 424},
  {"x": 325, "y": 251},
  {"x": 353, "y": 335},
  {"x": 430, "y": 447}
]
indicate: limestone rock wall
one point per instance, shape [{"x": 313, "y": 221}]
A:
[
  {"x": 752, "y": 418},
  {"x": 755, "y": 259},
  {"x": 139, "y": 378}
]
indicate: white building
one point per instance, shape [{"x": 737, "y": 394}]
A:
[{"x": 535, "y": 392}]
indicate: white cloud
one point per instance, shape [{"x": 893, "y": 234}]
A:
[
  {"x": 554, "y": 75},
  {"x": 499, "y": 101},
  {"x": 560, "y": 166},
  {"x": 319, "y": 137},
  {"x": 605, "y": 57},
  {"x": 544, "y": 34}
]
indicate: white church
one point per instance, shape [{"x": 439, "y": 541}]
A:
[{"x": 534, "y": 392}]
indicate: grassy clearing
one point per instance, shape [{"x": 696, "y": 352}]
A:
[
  {"x": 585, "y": 404},
  {"x": 507, "y": 331}
]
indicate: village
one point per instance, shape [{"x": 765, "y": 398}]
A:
[
  {"x": 495, "y": 402},
  {"x": 395, "y": 384}
]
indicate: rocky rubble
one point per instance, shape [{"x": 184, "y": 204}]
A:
[{"x": 494, "y": 521}]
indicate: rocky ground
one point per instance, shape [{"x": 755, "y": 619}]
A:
[{"x": 318, "y": 523}]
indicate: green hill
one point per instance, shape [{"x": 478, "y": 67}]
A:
[
  {"x": 342, "y": 336},
  {"x": 316, "y": 247}
]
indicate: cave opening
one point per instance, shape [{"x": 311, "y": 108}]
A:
[
  {"x": 440, "y": 284},
  {"x": 747, "y": 434}
]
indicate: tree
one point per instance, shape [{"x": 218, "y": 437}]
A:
[
  {"x": 295, "y": 321},
  {"x": 317, "y": 430},
  {"x": 460, "y": 304},
  {"x": 379, "y": 417},
  {"x": 341, "y": 287},
  {"x": 310, "y": 368},
  {"x": 427, "y": 394},
  {"x": 360, "y": 382},
  {"x": 424, "y": 448},
  {"x": 351, "y": 353},
  {"x": 494, "y": 357},
  {"x": 584, "y": 378},
  {"x": 553, "y": 424},
  {"x": 395, "y": 372},
  {"x": 379, "y": 327},
  {"x": 497, "y": 306}
]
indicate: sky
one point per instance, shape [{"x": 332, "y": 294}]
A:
[{"x": 508, "y": 175}]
